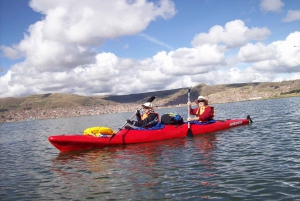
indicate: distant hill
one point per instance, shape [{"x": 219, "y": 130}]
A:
[
  {"x": 216, "y": 94},
  {"x": 141, "y": 97}
]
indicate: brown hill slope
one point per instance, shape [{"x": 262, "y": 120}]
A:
[{"x": 74, "y": 105}]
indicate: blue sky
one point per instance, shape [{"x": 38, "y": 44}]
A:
[{"x": 95, "y": 47}]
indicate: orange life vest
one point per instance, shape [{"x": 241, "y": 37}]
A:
[{"x": 145, "y": 115}]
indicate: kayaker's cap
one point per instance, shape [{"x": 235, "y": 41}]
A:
[
  {"x": 147, "y": 105},
  {"x": 200, "y": 99}
]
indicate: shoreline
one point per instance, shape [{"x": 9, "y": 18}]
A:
[
  {"x": 61, "y": 112},
  {"x": 49, "y": 106}
]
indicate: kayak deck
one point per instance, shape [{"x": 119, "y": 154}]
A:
[{"x": 72, "y": 142}]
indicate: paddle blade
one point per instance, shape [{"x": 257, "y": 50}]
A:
[
  {"x": 250, "y": 120},
  {"x": 189, "y": 133},
  {"x": 151, "y": 99}
]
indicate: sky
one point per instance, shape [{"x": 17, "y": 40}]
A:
[{"x": 118, "y": 47}]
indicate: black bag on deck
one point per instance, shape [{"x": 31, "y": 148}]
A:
[{"x": 171, "y": 118}]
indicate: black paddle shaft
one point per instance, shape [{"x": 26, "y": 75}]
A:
[{"x": 149, "y": 100}]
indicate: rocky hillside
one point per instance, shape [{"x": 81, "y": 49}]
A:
[{"x": 65, "y": 105}]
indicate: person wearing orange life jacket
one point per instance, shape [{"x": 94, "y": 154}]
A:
[
  {"x": 203, "y": 112},
  {"x": 148, "y": 119}
]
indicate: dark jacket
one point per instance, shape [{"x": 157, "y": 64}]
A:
[{"x": 151, "y": 119}]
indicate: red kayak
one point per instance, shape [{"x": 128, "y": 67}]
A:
[{"x": 130, "y": 136}]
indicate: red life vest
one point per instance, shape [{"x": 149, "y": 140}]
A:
[{"x": 205, "y": 113}]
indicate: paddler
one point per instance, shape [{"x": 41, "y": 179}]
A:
[
  {"x": 203, "y": 112},
  {"x": 147, "y": 119}
]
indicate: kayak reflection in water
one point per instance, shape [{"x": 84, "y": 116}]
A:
[{"x": 148, "y": 119}]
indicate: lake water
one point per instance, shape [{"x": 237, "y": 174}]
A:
[{"x": 253, "y": 162}]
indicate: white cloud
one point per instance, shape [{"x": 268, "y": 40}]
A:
[
  {"x": 59, "y": 50},
  {"x": 277, "y": 57},
  {"x": 292, "y": 15},
  {"x": 57, "y": 60},
  {"x": 70, "y": 28},
  {"x": 255, "y": 52},
  {"x": 90, "y": 22},
  {"x": 232, "y": 75},
  {"x": 295, "y": 76},
  {"x": 198, "y": 57},
  {"x": 271, "y": 5},
  {"x": 10, "y": 52},
  {"x": 50, "y": 54},
  {"x": 234, "y": 34}
]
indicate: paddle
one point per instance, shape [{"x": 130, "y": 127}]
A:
[
  {"x": 113, "y": 135},
  {"x": 249, "y": 118},
  {"x": 189, "y": 132}
]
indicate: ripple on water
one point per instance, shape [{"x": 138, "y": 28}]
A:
[{"x": 256, "y": 162}]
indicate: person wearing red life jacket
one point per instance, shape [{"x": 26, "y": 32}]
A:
[
  {"x": 203, "y": 112},
  {"x": 147, "y": 119}
]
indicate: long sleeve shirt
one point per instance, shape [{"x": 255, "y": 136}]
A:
[{"x": 205, "y": 113}]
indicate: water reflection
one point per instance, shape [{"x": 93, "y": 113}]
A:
[
  {"x": 143, "y": 167},
  {"x": 257, "y": 162}
]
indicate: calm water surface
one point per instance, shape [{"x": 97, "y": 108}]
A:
[{"x": 256, "y": 162}]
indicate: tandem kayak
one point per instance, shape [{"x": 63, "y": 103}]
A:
[{"x": 125, "y": 136}]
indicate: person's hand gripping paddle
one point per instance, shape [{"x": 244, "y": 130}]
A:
[
  {"x": 189, "y": 131},
  {"x": 150, "y": 100}
]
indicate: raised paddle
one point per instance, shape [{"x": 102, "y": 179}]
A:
[
  {"x": 113, "y": 135},
  {"x": 189, "y": 131}
]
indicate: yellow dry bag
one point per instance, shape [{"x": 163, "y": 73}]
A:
[{"x": 97, "y": 131}]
